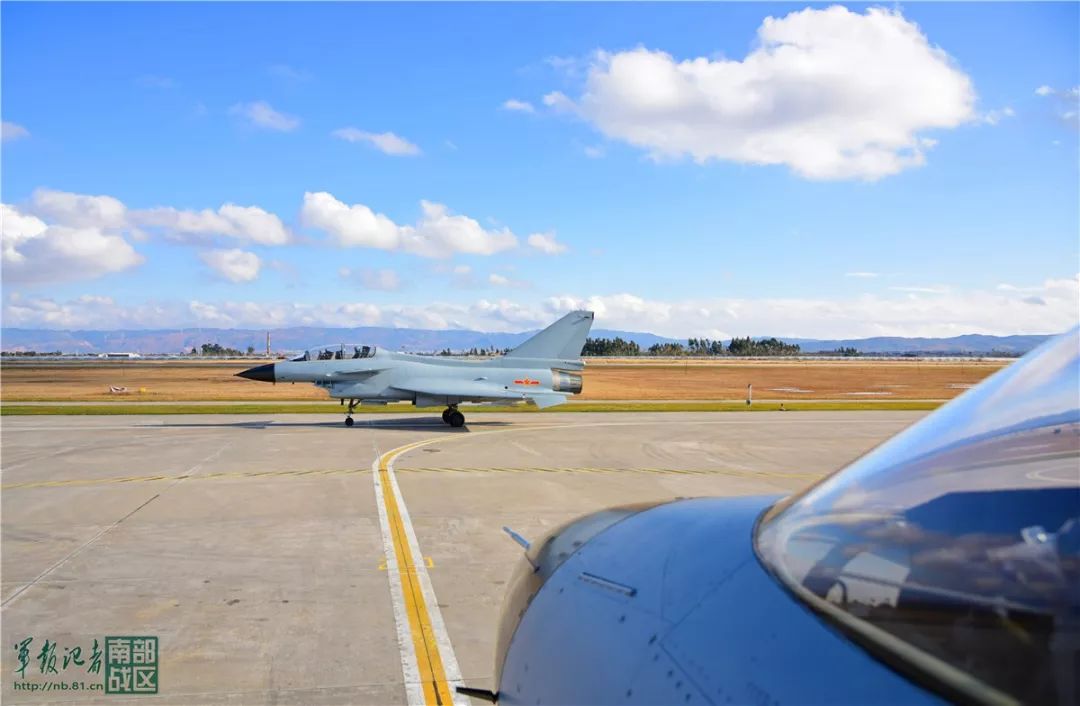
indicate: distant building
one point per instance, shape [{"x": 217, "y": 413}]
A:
[{"x": 119, "y": 355}]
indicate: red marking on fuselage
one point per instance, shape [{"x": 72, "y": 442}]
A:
[{"x": 526, "y": 381}]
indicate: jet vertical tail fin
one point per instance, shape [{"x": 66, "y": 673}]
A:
[{"x": 563, "y": 340}]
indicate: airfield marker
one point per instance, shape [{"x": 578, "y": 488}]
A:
[{"x": 429, "y": 665}]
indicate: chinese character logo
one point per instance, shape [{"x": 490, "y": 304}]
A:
[
  {"x": 23, "y": 648},
  {"x": 131, "y": 665}
]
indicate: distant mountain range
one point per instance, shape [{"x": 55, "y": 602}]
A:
[
  {"x": 281, "y": 340},
  {"x": 971, "y": 343},
  {"x": 425, "y": 340}
]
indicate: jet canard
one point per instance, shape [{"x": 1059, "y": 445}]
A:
[{"x": 543, "y": 370}]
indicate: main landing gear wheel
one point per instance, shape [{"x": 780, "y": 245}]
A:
[
  {"x": 349, "y": 421},
  {"x": 456, "y": 419},
  {"x": 348, "y": 415},
  {"x": 446, "y": 415}
]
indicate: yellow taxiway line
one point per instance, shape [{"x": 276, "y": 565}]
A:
[{"x": 424, "y": 628}]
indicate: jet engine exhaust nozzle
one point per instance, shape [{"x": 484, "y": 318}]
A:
[
  {"x": 562, "y": 381},
  {"x": 262, "y": 373}
]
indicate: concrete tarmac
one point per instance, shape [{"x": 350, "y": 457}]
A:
[{"x": 252, "y": 548}]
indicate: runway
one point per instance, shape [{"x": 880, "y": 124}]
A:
[{"x": 289, "y": 559}]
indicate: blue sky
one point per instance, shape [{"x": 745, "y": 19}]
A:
[{"x": 685, "y": 169}]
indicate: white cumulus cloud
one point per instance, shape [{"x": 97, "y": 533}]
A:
[
  {"x": 438, "y": 233},
  {"x": 385, "y": 142},
  {"x": 559, "y": 102},
  {"x": 61, "y": 236},
  {"x": 830, "y": 93},
  {"x": 233, "y": 264},
  {"x": 1046, "y": 307},
  {"x": 245, "y": 223},
  {"x": 931, "y": 312},
  {"x": 262, "y": 115},
  {"x": 12, "y": 131},
  {"x": 1066, "y": 103},
  {"x": 17, "y": 229},
  {"x": 546, "y": 243},
  {"x": 502, "y": 281},
  {"x": 38, "y": 253},
  {"x": 993, "y": 117},
  {"x": 78, "y": 210},
  {"x": 518, "y": 106},
  {"x": 926, "y": 289}
]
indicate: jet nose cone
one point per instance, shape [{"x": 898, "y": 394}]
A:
[{"x": 262, "y": 373}]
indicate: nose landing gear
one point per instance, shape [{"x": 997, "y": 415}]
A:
[
  {"x": 348, "y": 415},
  {"x": 453, "y": 417}
]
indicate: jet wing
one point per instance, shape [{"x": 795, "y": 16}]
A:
[
  {"x": 546, "y": 399},
  {"x": 478, "y": 389}
]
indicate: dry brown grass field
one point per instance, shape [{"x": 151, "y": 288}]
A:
[{"x": 860, "y": 379}]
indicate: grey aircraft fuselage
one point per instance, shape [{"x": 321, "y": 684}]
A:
[
  {"x": 543, "y": 370},
  {"x": 388, "y": 376}
]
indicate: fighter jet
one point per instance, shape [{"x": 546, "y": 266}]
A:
[
  {"x": 944, "y": 566},
  {"x": 543, "y": 370}
]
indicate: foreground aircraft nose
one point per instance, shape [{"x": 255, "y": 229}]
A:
[{"x": 262, "y": 373}]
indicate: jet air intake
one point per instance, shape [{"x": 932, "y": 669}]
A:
[{"x": 562, "y": 381}]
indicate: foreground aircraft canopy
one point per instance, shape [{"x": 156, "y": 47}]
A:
[
  {"x": 543, "y": 370},
  {"x": 942, "y": 566}
]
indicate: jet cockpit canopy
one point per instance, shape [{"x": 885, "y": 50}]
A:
[{"x": 337, "y": 351}]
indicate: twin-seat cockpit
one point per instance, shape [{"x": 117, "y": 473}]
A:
[{"x": 337, "y": 351}]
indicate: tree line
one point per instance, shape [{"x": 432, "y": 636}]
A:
[
  {"x": 695, "y": 347},
  {"x": 220, "y": 350},
  {"x": 29, "y": 354}
]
